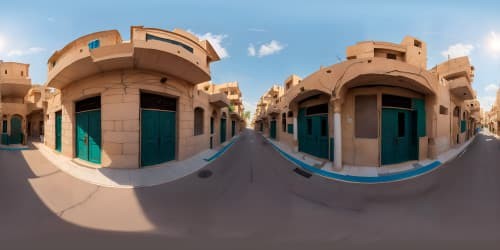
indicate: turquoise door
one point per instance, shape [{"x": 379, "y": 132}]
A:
[
  {"x": 211, "y": 132},
  {"x": 233, "y": 128},
  {"x": 222, "y": 130},
  {"x": 399, "y": 142},
  {"x": 272, "y": 132},
  {"x": 16, "y": 135},
  {"x": 313, "y": 134},
  {"x": 157, "y": 137},
  {"x": 88, "y": 136},
  {"x": 58, "y": 130}
]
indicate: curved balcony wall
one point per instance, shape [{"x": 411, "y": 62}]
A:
[{"x": 174, "y": 54}]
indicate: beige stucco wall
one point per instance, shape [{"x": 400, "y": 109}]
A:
[{"x": 120, "y": 115}]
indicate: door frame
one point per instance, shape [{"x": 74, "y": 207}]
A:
[{"x": 177, "y": 118}]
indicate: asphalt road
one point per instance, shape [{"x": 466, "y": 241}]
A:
[{"x": 253, "y": 200}]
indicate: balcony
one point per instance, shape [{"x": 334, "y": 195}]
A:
[
  {"x": 461, "y": 88},
  {"x": 273, "y": 110},
  {"x": 168, "y": 56},
  {"x": 14, "y": 87},
  {"x": 219, "y": 100}
]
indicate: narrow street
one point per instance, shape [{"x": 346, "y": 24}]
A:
[{"x": 252, "y": 200}]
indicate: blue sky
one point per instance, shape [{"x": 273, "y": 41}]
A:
[{"x": 286, "y": 36}]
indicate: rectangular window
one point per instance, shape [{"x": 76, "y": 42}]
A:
[
  {"x": 166, "y": 40},
  {"x": 401, "y": 124},
  {"x": 443, "y": 110},
  {"x": 211, "y": 125},
  {"x": 94, "y": 44},
  {"x": 4, "y": 126},
  {"x": 318, "y": 109},
  {"x": 290, "y": 128},
  {"x": 366, "y": 116},
  {"x": 391, "y": 56},
  {"x": 463, "y": 126},
  {"x": 309, "y": 126},
  {"x": 283, "y": 122},
  {"x": 396, "y": 101}
]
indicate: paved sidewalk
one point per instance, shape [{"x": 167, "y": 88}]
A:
[
  {"x": 133, "y": 178},
  {"x": 368, "y": 174}
]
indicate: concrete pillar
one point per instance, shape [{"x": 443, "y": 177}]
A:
[{"x": 337, "y": 134}]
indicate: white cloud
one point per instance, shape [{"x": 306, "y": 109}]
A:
[
  {"x": 270, "y": 48},
  {"x": 251, "y": 50},
  {"x": 266, "y": 49},
  {"x": 486, "y": 102},
  {"x": 29, "y": 51},
  {"x": 458, "y": 50},
  {"x": 216, "y": 41},
  {"x": 491, "y": 88}
]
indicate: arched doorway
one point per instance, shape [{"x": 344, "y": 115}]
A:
[{"x": 16, "y": 133}]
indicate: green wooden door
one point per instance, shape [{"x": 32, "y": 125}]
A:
[
  {"x": 313, "y": 134},
  {"x": 88, "y": 136},
  {"x": 222, "y": 130},
  {"x": 272, "y": 132},
  {"x": 167, "y": 136},
  {"x": 398, "y": 136},
  {"x": 58, "y": 131},
  {"x": 16, "y": 135},
  {"x": 233, "y": 128},
  {"x": 94, "y": 136},
  {"x": 157, "y": 137}
]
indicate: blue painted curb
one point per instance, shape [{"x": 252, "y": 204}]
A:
[
  {"x": 14, "y": 149},
  {"x": 220, "y": 152},
  {"x": 360, "y": 179}
]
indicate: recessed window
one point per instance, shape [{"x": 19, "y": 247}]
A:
[
  {"x": 391, "y": 56},
  {"x": 6, "y": 72},
  {"x": 283, "y": 122},
  {"x": 166, "y": 40},
  {"x": 443, "y": 110},
  {"x": 290, "y": 113},
  {"x": 417, "y": 43},
  {"x": 22, "y": 73},
  {"x": 4, "y": 126},
  {"x": 198, "y": 121},
  {"x": 365, "y": 116}
]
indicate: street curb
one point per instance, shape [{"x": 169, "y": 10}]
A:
[
  {"x": 395, "y": 177},
  {"x": 222, "y": 150}
]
